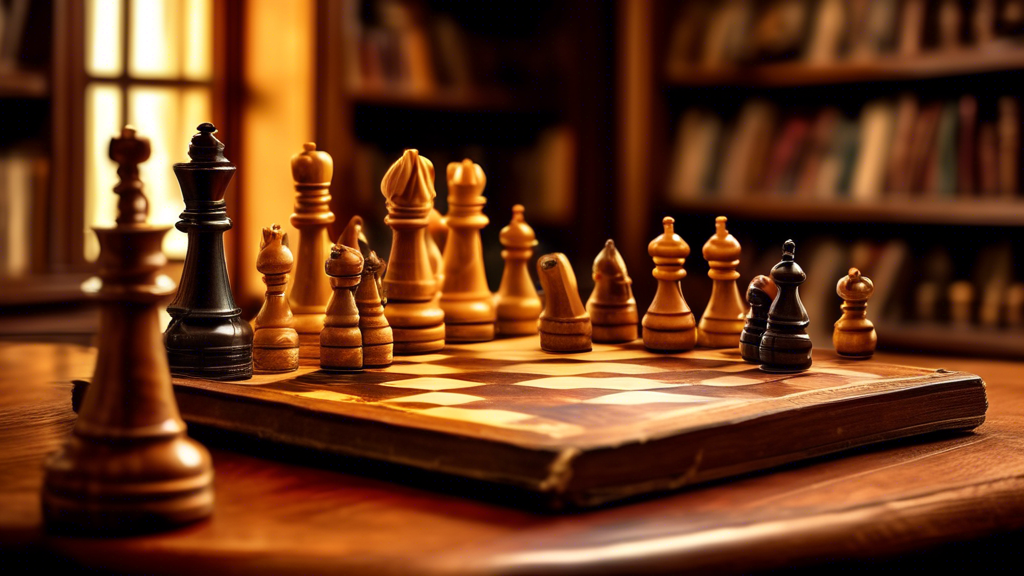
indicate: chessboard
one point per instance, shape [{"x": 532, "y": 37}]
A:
[{"x": 585, "y": 429}]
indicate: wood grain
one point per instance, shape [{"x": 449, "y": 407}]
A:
[{"x": 309, "y": 515}]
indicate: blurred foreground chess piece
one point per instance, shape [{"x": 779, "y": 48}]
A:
[
  {"x": 378, "y": 340},
  {"x": 722, "y": 322},
  {"x": 785, "y": 345},
  {"x": 668, "y": 325},
  {"x": 760, "y": 293},
  {"x": 854, "y": 335},
  {"x": 207, "y": 337},
  {"x": 466, "y": 300},
  {"x": 341, "y": 343},
  {"x": 310, "y": 289},
  {"x": 410, "y": 282},
  {"x": 564, "y": 323},
  {"x": 129, "y": 466},
  {"x": 517, "y": 304},
  {"x": 275, "y": 344},
  {"x": 611, "y": 305}
]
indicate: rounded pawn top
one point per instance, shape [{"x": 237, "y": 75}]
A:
[
  {"x": 854, "y": 286},
  {"x": 722, "y": 246},
  {"x": 344, "y": 261},
  {"x": 518, "y": 234},
  {"x": 312, "y": 166},
  {"x": 761, "y": 284},
  {"x": 788, "y": 271},
  {"x": 205, "y": 147},
  {"x": 668, "y": 245},
  {"x": 275, "y": 257}
]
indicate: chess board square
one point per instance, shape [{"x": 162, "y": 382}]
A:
[
  {"x": 439, "y": 398},
  {"x": 730, "y": 381},
  {"x": 577, "y": 368},
  {"x": 613, "y": 383},
  {"x": 435, "y": 384},
  {"x": 647, "y": 397},
  {"x": 326, "y": 395},
  {"x": 489, "y": 417}
]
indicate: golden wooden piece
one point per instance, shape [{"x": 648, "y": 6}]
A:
[
  {"x": 129, "y": 465},
  {"x": 410, "y": 282},
  {"x": 341, "y": 343},
  {"x": 467, "y": 302},
  {"x": 611, "y": 305},
  {"x": 564, "y": 323},
  {"x": 854, "y": 335},
  {"x": 517, "y": 303},
  {"x": 378, "y": 339},
  {"x": 668, "y": 325},
  {"x": 722, "y": 322},
  {"x": 310, "y": 290},
  {"x": 275, "y": 346}
]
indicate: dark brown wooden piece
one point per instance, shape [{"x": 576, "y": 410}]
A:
[
  {"x": 785, "y": 345},
  {"x": 760, "y": 293}
]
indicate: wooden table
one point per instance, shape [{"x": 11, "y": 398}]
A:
[{"x": 301, "y": 513}]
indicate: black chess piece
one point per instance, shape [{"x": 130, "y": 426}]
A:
[
  {"x": 206, "y": 337},
  {"x": 785, "y": 345},
  {"x": 760, "y": 294}
]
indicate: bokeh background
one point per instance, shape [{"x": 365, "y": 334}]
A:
[{"x": 879, "y": 134}]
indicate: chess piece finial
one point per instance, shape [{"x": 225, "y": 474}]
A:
[
  {"x": 467, "y": 302},
  {"x": 130, "y": 150},
  {"x": 722, "y": 322},
  {"x": 564, "y": 324},
  {"x": 668, "y": 325},
  {"x": 411, "y": 282},
  {"x": 341, "y": 342},
  {"x": 275, "y": 345},
  {"x": 517, "y": 304},
  {"x": 785, "y": 345},
  {"x": 611, "y": 305},
  {"x": 352, "y": 236},
  {"x": 129, "y": 465},
  {"x": 761, "y": 293},
  {"x": 207, "y": 337},
  {"x": 310, "y": 289},
  {"x": 854, "y": 335}
]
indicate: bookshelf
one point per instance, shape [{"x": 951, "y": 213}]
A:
[
  {"x": 976, "y": 226},
  {"x": 23, "y": 84}
]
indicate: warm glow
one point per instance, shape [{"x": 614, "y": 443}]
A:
[
  {"x": 198, "y": 22},
  {"x": 103, "y": 42},
  {"x": 102, "y": 122},
  {"x": 153, "y": 32}
]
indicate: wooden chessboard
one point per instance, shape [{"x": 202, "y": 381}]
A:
[{"x": 584, "y": 429}]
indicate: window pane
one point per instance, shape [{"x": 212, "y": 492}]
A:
[
  {"x": 168, "y": 117},
  {"x": 103, "y": 37},
  {"x": 198, "y": 39},
  {"x": 102, "y": 122},
  {"x": 155, "y": 39}
]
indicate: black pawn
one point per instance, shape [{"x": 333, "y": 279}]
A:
[
  {"x": 206, "y": 337},
  {"x": 785, "y": 345},
  {"x": 760, "y": 294}
]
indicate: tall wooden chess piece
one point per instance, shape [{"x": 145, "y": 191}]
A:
[
  {"x": 129, "y": 466},
  {"x": 517, "y": 303},
  {"x": 722, "y": 321},
  {"x": 410, "y": 283},
  {"x": 207, "y": 337},
  {"x": 275, "y": 346},
  {"x": 785, "y": 345},
  {"x": 668, "y": 325},
  {"x": 611, "y": 305},
  {"x": 378, "y": 339},
  {"x": 564, "y": 323},
  {"x": 760, "y": 293},
  {"x": 466, "y": 300},
  {"x": 310, "y": 289},
  {"x": 341, "y": 343},
  {"x": 854, "y": 335}
]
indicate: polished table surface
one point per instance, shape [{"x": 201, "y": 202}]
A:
[{"x": 277, "y": 513}]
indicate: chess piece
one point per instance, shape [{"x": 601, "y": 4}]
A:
[
  {"x": 961, "y": 303},
  {"x": 129, "y": 465},
  {"x": 564, "y": 323},
  {"x": 207, "y": 337},
  {"x": 410, "y": 282},
  {"x": 668, "y": 325},
  {"x": 854, "y": 335},
  {"x": 722, "y": 322},
  {"x": 466, "y": 300},
  {"x": 310, "y": 290},
  {"x": 275, "y": 344},
  {"x": 516, "y": 302},
  {"x": 341, "y": 343},
  {"x": 760, "y": 293},
  {"x": 378, "y": 340},
  {"x": 611, "y": 305},
  {"x": 438, "y": 230},
  {"x": 785, "y": 345}
]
